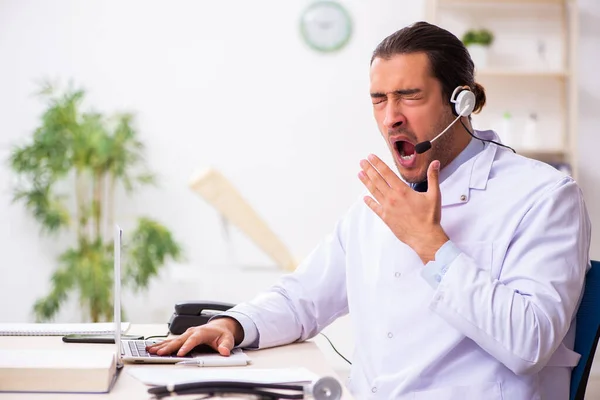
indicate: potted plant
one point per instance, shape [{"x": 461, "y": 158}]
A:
[
  {"x": 67, "y": 175},
  {"x": 478, "y": 42}
]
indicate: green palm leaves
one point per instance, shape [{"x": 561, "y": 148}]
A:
[{"x": 67, "y": 177}]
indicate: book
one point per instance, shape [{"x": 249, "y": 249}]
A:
[
  {"x": 40, "y": 370},
  {"x": 35, "y": 329}
]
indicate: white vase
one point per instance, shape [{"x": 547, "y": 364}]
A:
[{"x": 479, "y": 55}]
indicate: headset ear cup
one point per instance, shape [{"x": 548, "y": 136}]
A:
[{"x": 465, "y": 98}]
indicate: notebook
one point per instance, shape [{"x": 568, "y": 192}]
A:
[{"x": 33, "y": 329}]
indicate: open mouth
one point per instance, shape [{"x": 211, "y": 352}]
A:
[{"x": 406, "y": 150}]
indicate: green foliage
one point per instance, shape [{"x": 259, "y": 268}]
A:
[
  {"x": 482, "y": 36},
  {"x": 85, "y": 155},
  {"x": 150, "y": 246}
]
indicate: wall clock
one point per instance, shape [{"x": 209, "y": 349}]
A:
[{"x": 326, "y": 26}]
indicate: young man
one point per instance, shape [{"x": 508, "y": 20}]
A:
[{"x": 466, "y": 289}]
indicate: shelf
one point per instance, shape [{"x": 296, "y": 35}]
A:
[
  {"x": 525, "y": 29},
  {"x": 489, "y": 5},
  {"x": 547, "y": 155},
  {"x": 500, "y": 2},
  {"x": 500, "y": 72}
]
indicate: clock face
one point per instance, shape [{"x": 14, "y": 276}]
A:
[{"x": 326, "y": 26}]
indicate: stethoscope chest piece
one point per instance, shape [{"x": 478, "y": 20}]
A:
[{"x": 326, "y": 388}]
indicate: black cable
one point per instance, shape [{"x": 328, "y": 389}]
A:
[
  {"x": 156, "y": 336},
  {"x": 339, "y": 354},
  {"x": 485, "y": 140}
]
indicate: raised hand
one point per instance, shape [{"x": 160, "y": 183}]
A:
[{"x": 413, "y": 217}]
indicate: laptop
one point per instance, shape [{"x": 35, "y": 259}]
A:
[{"x": 135, "y": 350}]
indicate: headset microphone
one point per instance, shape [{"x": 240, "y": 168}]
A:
[
  {"x": 422, "y": 147},
  {"x": 464, "y": 103}
]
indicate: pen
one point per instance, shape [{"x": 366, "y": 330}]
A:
[{"x": 218, "y": 362}]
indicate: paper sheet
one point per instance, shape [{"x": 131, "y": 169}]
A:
[{"x": 176, "y": 374}]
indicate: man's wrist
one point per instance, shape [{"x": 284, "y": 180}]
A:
[{"x": 427, "y": 248}]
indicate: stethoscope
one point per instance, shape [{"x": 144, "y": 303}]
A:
[{"x": 326, "y": 388}]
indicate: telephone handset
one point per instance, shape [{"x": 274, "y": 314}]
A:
[{"x": 194, "y": 313}]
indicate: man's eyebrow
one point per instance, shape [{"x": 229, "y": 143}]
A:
[
  {"x": 407, "y": 92},
  {"x": 401, "y": 92}
]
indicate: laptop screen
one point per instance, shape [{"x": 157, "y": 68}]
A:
[{"x": 117, "y": 291}]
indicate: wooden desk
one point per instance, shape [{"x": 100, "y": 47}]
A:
[{"x": 305, "y": 354}]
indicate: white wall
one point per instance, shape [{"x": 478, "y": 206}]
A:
[
  {"x": 589, "y": 103},
  {"x": 222, "y": 84}
]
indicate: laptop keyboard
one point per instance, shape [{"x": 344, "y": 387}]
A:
[{"x": 138, "y": 349}]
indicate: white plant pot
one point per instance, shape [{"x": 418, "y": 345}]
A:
[{"x": 479, "y": 55}]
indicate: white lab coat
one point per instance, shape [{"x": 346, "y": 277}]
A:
[{"x": 497, "y": 326}]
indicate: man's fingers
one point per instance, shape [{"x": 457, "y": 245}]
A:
[
  {"x": 156, "y": 346},
  {"x": 370, "y": 185},
  {"x": 388, "y": 175},
  {"x": 224, "y": 345},
  {"x": 373, "y": 205},
  {"x": 375, "y": 178},
  {"x": 193, "y": 341},
  {"x": 171, "y": 345},
  {"x": 433, "y": 177}
]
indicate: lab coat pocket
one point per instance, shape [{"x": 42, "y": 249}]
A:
[
  {"x": 481, "y": 253},
  {"x": 487, "y": 391}
]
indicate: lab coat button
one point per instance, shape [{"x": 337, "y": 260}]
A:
[
  {"x": 390, "y": 335},
  {"x": 463, "y": 197},
  {"x": 374, "y": 389},
  {"x": 397, "y": 274}
]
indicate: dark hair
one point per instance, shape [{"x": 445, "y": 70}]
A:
[{"x": 449, "y": 59}]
